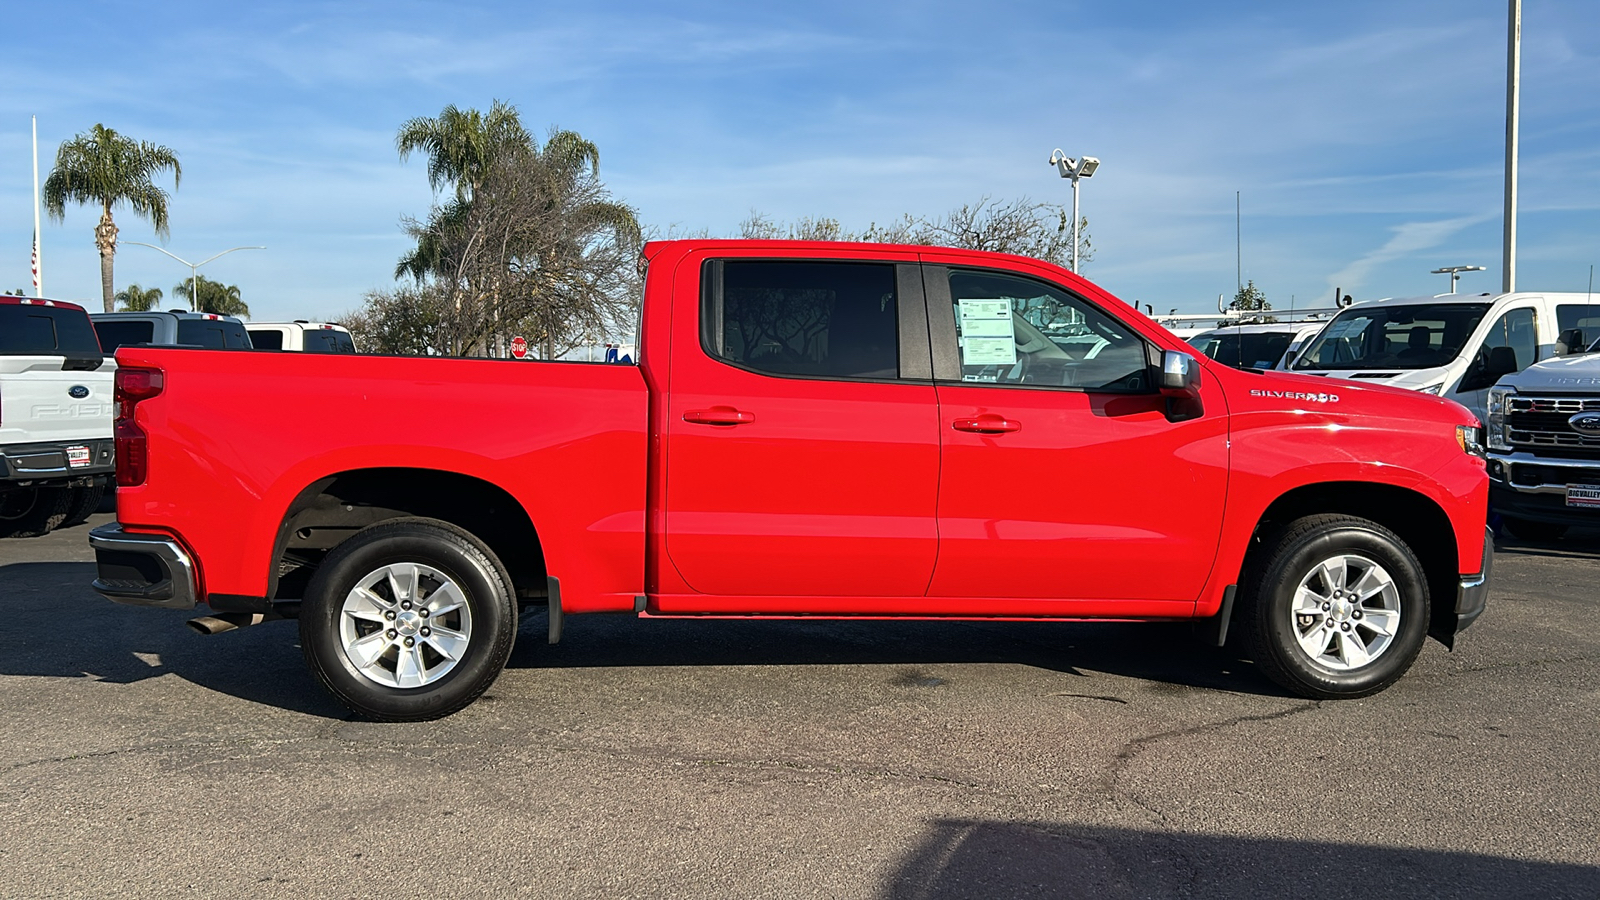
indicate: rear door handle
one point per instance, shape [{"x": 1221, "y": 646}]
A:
[
  {"x": 987, "y": 423},
  {"x": 719, "y": 415}
]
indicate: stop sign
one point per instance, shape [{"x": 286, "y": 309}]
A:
[{"x": 519, "y": 347}]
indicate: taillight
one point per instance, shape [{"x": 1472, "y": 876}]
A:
[{"x": 133, "y": 452}]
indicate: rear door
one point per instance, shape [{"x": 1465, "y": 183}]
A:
[
  {"x": 802, "y": 441},
  {"x": 1064, "y": 475}
]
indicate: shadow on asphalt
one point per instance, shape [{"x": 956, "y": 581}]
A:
[
  {"x": 1579, "y": 543},
  {"x": 963, "y": 858},
  {"x": 57, "y": 627}
]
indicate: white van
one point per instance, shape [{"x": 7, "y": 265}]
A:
[
  {"x": 301, "y": 336},
  {"x": 1453, "y": 345}
]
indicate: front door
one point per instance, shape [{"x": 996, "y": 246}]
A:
[
  {"x": 1064, "y": 476},
  {"x": 802, "y": 447}
]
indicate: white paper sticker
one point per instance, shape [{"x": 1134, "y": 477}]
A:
[{"x": 987, "y": 335}]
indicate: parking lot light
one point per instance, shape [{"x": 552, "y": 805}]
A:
[{"x": 1082, "y": 167}]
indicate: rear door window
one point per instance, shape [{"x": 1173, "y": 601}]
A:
[
  {"x": 804, "y": 319},
  {"x": 28, "y": 329}
]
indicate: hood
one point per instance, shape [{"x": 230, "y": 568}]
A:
[
  {"x": 1579, "y": 374},
  {"x": 1361, "y": 398},
  {"x": 1410, "y": 379}
]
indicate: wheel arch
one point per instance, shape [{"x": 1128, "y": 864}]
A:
[
  {"x": 332, "y": 508},
  {"x": 1419, "y": 521}
]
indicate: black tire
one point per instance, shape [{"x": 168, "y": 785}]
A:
[
  {"x": 85, "y": 502},
  {"x": 1272, "y": 629},
  {"x": 459, "y": 556},
  {"x": 33, "y": 511},
  {"x": 1528, "y": 530}
]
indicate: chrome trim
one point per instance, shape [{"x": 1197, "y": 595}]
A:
[
  {"x": 1509, "y": 460},
  {"x": 177, "y": 592}
]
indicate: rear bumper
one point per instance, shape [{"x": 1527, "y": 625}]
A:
[
  {"x": 142, "y": 569},
  {"x": 56, "y": 460},
  {"x": 1473, "y": 593}
]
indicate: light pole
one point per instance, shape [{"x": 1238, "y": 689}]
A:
[
  {"x": 1508, "y": 252},
  {"x": 1074, "y": 169},
  {"x": 1455, "y": 273},
  {"x": 194, "y": 268}
]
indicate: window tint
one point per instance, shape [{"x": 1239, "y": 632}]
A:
[
  {"x": 114, "y": 333},
  {"x": 1393, "y": 337},
  {"x": 1516, "y": 330},
  {"x": 213, "y": 334},
  {"x": 266, "y": 339},
  {"x": 48, "y": 330},
  {"x": 1018, "y": 331},
  {"x": 1260, "y": 350},
  {"x": 323, "y": 340},
  {"x": 807, "y": 319}
]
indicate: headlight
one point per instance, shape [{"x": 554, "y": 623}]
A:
[
  {"x": 1495, "y": 413},
  {"x": 1470, "y": 438},
  {"x": 1433, "y": 389}
]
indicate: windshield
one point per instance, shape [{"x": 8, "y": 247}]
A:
[
  {"x": 1418, "y": 336},
  {"x": 1260, "y": 350}
]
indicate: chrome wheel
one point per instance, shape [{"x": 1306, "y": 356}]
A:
[
  {"x": 1346, "y": 612},
  {"x": 405, "y": 625}
]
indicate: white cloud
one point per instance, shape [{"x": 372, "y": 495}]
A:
[{"x": 1408, "y": 239}]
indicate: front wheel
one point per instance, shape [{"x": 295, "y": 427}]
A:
[
  {"x": 1336, "y": 608},
  {"x": 408, "y": 620}
]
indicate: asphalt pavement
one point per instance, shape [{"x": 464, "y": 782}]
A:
[{"x": 798, "y": 759}]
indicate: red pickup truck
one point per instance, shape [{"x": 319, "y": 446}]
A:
[{"x": 811, "y": 430}]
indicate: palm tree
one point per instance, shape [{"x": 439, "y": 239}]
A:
[
  {"x": 101, "y": 166},
  {"x": 212, "y": 297},
  {"x": 462, "y": 144},
  {"x": 137, "y": 299}
]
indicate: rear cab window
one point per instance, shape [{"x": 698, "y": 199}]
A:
[
  {"x": 213, "y": 334},
  {"x": 326, "y": 340},
  {"x": 33, "y": 329},
  {"x": 266, "y": 339},
  {"x": 116, "y": 333}
]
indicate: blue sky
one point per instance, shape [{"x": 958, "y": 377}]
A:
[{"x": 1366, "y": 138}]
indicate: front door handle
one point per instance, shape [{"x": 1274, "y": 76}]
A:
[
  {"x": 719, "y": 415},
  {"x": 987, "y": 423}
]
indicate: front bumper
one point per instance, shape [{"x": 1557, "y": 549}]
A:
[
  {"x": 56, "y": 460},
  {"x": 142, "y": 569},
  {"x": 1472, "y": 595},
  {"x": 1524, "y": 486}
]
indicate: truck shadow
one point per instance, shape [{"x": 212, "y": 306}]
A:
[
  {"x": 1168, "y": 653},
  {"x": 55, "y": 626},
  {"x": 958, "y": 858},
  {"x": 1579, "y": 543}
]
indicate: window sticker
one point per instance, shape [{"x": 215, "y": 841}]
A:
[{"x": 987, "y": 336}]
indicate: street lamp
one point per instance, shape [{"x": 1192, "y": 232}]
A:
[
  {"x": 194, "y": 276},
  {"x": 1082, "y": 167},
  {"x": 1455, "y": 273}
]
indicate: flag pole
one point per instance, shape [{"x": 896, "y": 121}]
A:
[{"x": 38, "y": 257}]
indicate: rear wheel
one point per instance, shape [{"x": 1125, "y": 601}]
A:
[
  {"x": 1337, "y": 607},
  {"x": 84, "y": 502},
  {"x": 409, "y": 619},
  {"x": 1528, "y": 530},
  {"x": 33, "y": 511}
]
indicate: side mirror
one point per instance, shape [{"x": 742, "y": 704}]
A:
[
  {"x": 1180, "y": 375},
  {"x": 1570, "y": 341},
  {"x": 1179, "y": 381}
]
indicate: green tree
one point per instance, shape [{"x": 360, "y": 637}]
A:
[
  {"x": 103, "y": 167},
  {"x": 212, "y": 296},
  {"x": 462, "y": 145},
  {"x": 137, "y": 299}
]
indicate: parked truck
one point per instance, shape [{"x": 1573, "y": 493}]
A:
[
  {"x": 1544, "y": 444},
  {"x": 811, "y": 430},
  {"x": 55, "y": 416}
]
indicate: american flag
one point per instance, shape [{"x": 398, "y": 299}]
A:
[{"x": 36, "y": 263}]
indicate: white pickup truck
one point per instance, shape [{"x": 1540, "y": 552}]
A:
[
  {"x": 1543, "y": 427},
  {"x": 56, "y": 446},
  {"x": 302, "y": 336}
]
